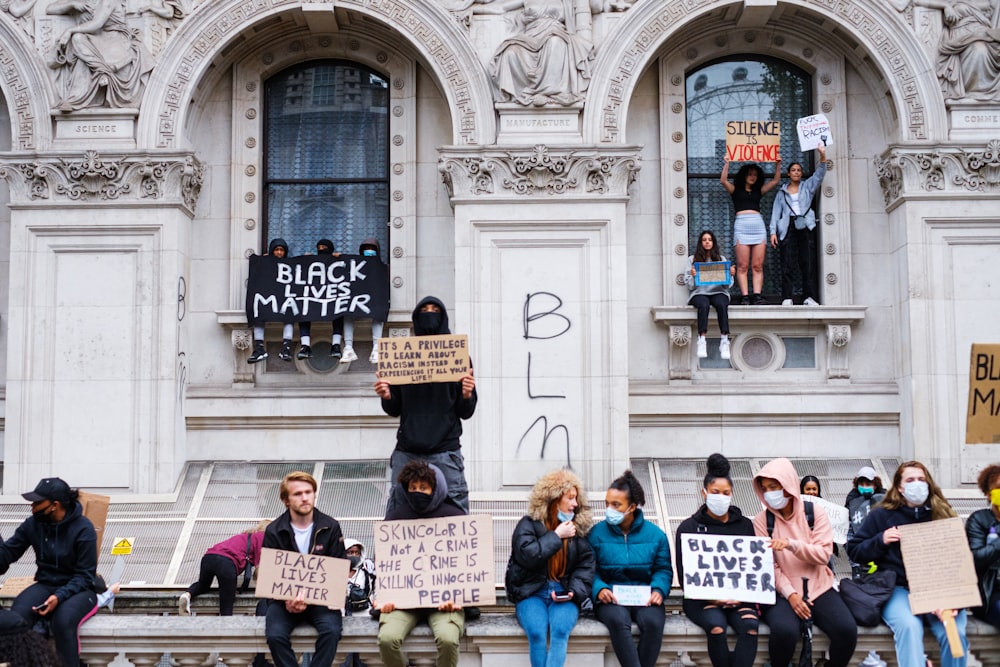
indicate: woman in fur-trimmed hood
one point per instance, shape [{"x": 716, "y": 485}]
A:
[{"x": 551, "y": 568}]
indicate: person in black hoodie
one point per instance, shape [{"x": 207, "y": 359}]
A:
[
  {"x": 279, "y": 249},
  {"x": 718, "y": 516},
  {"x": 65, "y": 545},
  {"x": 323, "y": 247},
  {"x": 431, "y": 414},
  {"x": 372, "y": 249}
]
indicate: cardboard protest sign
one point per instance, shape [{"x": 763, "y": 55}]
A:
[
  {"x": 982, "y": 420},
  {"x": 632, "y": 596},
  {"x": 753, "y": 140},
  {"x": 427, "y": 562},
  {"x": 321, "y": 580},
  {"x": 420, "y": 359},
  {"x": 95, "y": 507},
  {"x": 939, "y": 566},
  {"x": 814, "y": 131},
  {"x": 726, "y": 567},
  {"x": 711, "y": 273},
  {"x": 316, "y": 288},
  {"x": 840, "y": 517}
]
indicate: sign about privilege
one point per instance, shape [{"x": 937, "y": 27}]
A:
[
  {"x": 320, "y": 580},
  {"x": 753, "y": 140},
  {"x": 421, "y": 359},
  {"x": 727, "y": 567},
  {"x": 316, "y": 288},
  {"x": 427, "y": 562},
  {"x": 982, "y": 421}
]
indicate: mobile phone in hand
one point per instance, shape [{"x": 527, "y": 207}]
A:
[
  {"x": 563, "y": 596},
  {"x": 39, "y": 608}
]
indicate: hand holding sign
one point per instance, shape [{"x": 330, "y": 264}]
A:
[{"x": 814, "y": 131}]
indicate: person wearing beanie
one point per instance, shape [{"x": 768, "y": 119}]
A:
[
  {"x": 372, "y": 249},
  {"x": 323, "y": 247},
  {"x": 277, "y": 248}
]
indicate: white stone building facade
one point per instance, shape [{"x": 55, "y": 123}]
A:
[{"x": 556, "y": 227}]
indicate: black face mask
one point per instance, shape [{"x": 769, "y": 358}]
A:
[
  {"x": 43, "y": 515},
  {"x": 355, "y": 561},
  {"x": 419, "y": 501},
  {"x": 427, "y": 323}
]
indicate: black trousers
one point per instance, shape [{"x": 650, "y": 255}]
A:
[
  {"x": 619, "y": 620},
  {"x": 799, "y": 245},
  {"x": 702, "y": 303},
  {"x": 829, "y": 613},
  {"x": 743, "y": 619},
  {"x": 63, "y": 622},
  {"x": 214, "y": 566}
]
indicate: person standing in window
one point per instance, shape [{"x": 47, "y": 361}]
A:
[
  {"x": 793, "y": 204},
  {"x": 749, "y": 233},
  {"x": 704, "y": 297}
]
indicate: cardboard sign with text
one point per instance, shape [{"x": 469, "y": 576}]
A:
[
  {"x": 753, "y": 140},
  {"x": 939, "y": 566},
  {"x": 321, "y": 580},
  {"x": 95, "y": 507},
  {"x": 982, "y": 421},
  {"x": 421, "y": 359},
  {"x": 840, "y": 517},
  {"x": 814, "y": 131},
  {"x": 727, "y": 567},
  {"x": 427, "y": 562}
]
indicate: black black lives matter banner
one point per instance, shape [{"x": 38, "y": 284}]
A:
[{"x": 315, "y": 288}]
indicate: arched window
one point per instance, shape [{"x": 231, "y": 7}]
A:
[
  {"x": 741, "y": 88},
  {"x": 326, "y": 159}
]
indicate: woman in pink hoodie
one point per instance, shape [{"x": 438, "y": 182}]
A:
[{"x": 801, "y": 553}]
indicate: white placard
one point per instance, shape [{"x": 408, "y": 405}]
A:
[
  {"x": 814, "y": 131},
  {"x": 632, "y": 596},
  {"x": 840, "y": 517},
  {"x": 727, "y": 567}
]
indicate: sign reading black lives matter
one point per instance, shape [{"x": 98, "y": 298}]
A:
[
  {"x": 421, "y": 359},
  {"x": 427, "y": 562},
  {"x": 315, "y": 288},
  {"x": 286, "y": 575},
  {"x": 726, "y": 567}
]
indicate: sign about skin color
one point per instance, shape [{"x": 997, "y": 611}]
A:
[
  {"x": 939, "y": 566},
  {"x": 424, "y": 563},
  {"x": 753, "y": 140},
  {"x": 982, "y": 421},
  {"x": 632, "y": 596},
  {"x": 727, "y": 567},
  {"x": 840, "y": 517},
  {"x": 320, "y": 580},
  {"x": 421, "y": 359},
  {"x": 814, "y": 131}
]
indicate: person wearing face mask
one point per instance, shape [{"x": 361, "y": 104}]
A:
[
  {"x": 866, "y": 492},
  {"x": 370, "y": 248},
  {"x": 802, "y": 551},
  {"x": 718, "y": 516},
  {"x": 982, "y": 530},
  {"x": 431, "y": 414},
  {"x": 224, "y": 562},
  {"x": 65, "y": 546},
  {"x": 551, "y": 568},
  {"x": 277, "y": 248},
  {"x": 913, "y": 497},
  {"x": 323, "y": 247},
  {"x": 630, "y": 551}
]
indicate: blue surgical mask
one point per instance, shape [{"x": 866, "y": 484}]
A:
[
  {"x": 776, "y": 500},
  {"x": 613, "y": 516},
  {"x": 916, "y": 492},
  {"x": 866, "y": 491},
  {"x": 565, "y": 516},
  {"x": 369, "y": 253}
]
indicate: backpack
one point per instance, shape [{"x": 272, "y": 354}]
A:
[{"x": 810, "y": 519}]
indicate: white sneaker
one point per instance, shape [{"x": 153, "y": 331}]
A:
[
  {"x": 373, "y": 357},
  {"x": 184, "y": 604},
  {"x": 702, "y": 347},
  {"x": 810, "y": 302},
  {"x": 724, "y": 347},
  {"x": 786, "y": 302},
  {"x": 349, "y": 355}
]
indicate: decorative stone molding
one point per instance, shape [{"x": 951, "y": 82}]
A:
[
  {"x": 905, "y": 172},
  {"x": 837, "y": 338},
  {"x": 242, "y": 371},
  {"x": 680, "y": 352},
  {"x": 538, "y": 171},
  {"x": 136, "y": 178}
]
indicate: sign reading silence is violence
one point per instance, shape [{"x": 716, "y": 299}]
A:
[{"x": 753, "y": 140}]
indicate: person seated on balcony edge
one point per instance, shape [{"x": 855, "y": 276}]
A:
[{"x": 277, "y": 248}]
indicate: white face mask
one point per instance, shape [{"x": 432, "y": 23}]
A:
[
  {"x": 916, "y": 492},
  {"x": 718, "y": 503},
  {"x": 776, "y": 500}
]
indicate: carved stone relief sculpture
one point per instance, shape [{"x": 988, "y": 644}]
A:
[
  {"x": 98, "y": 62},
  {"x": 21, "y": 11}
]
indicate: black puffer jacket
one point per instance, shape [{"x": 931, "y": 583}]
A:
[{"x": 985, "y": 554}]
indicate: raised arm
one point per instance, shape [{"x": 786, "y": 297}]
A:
[
  {"x": 776, "y": 179},
  {"x": 724, "y": 178}
]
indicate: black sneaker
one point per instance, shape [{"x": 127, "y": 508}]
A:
[
  {"x": 259, "y": 354},
  {"x": 335, "y": 351},
  {"x": 745, "y": 301},
  {"x": 304, "y": 352},
  {"x": 758, "y": 300},
  {"x": 286, "y": 351}
]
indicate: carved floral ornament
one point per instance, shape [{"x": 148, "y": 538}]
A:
[
  {"x": 97, "y": 178},
  {"x": 906, "y": 172},
  {"x": 539, "y": 171}
]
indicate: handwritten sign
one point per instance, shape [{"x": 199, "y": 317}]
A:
[
  {"x": 711, "y": 273},
  {"x": 320, "y": 580},
  {"x": 632, "y": 596},
  {"x": 753, "y": 140},
  {"x": 814, "y": 131},
  {"x": 939, "y": 566},
  {"x": 427, "y": 562},
  {"x": 840, "y": 517},
  {"x": 982, "y": 421},
  {"x": 727, "y": 567},
  {"x": 421, "y": 359}
]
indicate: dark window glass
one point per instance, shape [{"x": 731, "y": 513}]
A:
[
  {"x": 740, "y": 89},
  {"x": 326, "y": 157}
]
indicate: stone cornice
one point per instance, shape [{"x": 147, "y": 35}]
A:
[
  {"x": 94, "y": 178},
  {"x": 917, "y": 172},
  {"x": 538, "y": 171}
]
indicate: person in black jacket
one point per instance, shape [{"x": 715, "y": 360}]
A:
[
  {"x": 982, "y": 529},
  {"x": 65, "y": 546},
  {"x": 551, "y": 568},
  {"x": 718, "y": 516},
  {"x": 431, "y": 414},
  {"x": 304, "y": 529}
]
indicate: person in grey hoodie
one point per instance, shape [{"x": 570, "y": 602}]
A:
[{"x": 704, "y": 297}]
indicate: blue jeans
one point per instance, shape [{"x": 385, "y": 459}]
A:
[
  {"x": 278, "y": 628},
  {"x": 908, "y": 632},
  {"x": 540, "y": 615}
]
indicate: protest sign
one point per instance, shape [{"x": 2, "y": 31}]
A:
[
  {"x": 938, "y": 565},
  {"x": 420, "y": 359},
  {"x": 632, "y": 596},
  {"x": 427, "y": 562},
  {"x": 95, "y": 507},
  {"x": 316, "y": 288},
  {"x": 711, "y": 273},
  {"x": 982, "y": 420},
  {"x": 726, "y": 567},
  {"x": 321, "y": 580},
  {"x": 840, "y": 517},
  {"x": 753, "y": 140},
  {"x": 814, "y": 131}
]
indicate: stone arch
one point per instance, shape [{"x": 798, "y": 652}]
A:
[
  {"x": 880, "y": 37},
  {"x": 430, "y": 30},
  {"x": 26, "y": 87}
]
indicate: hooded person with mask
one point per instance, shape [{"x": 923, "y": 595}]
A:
[
  {"x": 277, "y": 248},
  {"x": 802, "y": 551},
  {"x": 370, "y": 248},
  {"x": 431, "y": 414},
  {"x": 323, "y": 247}
]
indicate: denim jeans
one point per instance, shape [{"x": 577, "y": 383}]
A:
[
  {"x": 540, "y": 615},
  {"x": 908, "y": 632},
  {"x": 278, "y": 628}
]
